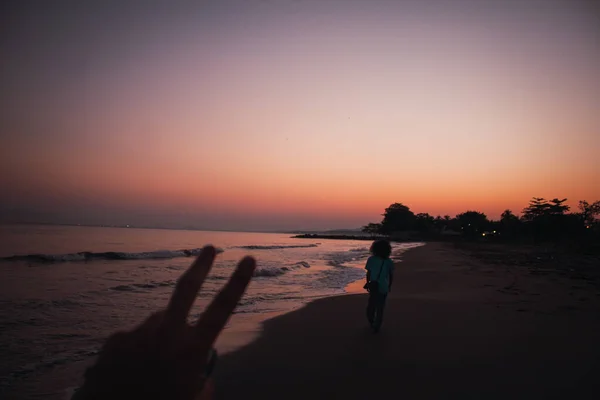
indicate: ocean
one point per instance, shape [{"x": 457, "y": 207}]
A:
[{"x": 64, "y": 289}]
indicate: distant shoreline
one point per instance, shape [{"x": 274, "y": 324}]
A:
[{"x": 337, "y": 237}]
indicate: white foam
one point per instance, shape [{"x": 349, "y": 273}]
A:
[
  {"x": 277, "y": 271},
  {"x": 107, "y": 255}
]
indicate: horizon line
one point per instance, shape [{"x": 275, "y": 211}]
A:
[{"x": 149, "y": 227}]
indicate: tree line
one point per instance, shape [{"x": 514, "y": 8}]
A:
[{"x": 540, "y": 220}]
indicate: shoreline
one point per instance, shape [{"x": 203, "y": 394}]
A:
[
  {"x": 475, "y": 330},
  {"x": 337, "y": 237},
  {"x": 246, "y": 332},
  {"x": 480, "y": 322}
]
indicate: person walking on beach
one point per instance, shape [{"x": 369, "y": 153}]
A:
[{"x": 380, "y": 274}]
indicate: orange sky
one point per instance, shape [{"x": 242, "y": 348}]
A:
[{"x": 297, "y": 115}]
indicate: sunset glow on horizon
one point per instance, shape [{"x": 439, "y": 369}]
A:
[{"x": 269, "y": 115}]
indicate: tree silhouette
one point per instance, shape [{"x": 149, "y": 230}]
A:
[
  {"x": 371, "y": 228},
  {"x": 538, "y": 207},
  {"x": 472, "y": 222},
  {"x": 542, "y": 220},
  {"x": 589, "y": 212},
  {"x": 557, "y": 207},
  {"x": 424, "y": 222},
  {"x": 546, "y": 220},
  {"x": 508, "y": 216},
  {"x": 439, "y": 223},
  {"x": 510, "y": 224},
  {"x": 397, "y": 217}
]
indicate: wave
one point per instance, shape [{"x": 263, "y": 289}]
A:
[
  {"x": 145, "y": 255},
  {"x": 275, "y": 296},
  {"x": 149, "y": 285},
  {"x": 360, "y": 250},
  {"x": 339, "y": 278},
  {"x": 107, "y": 255},
  {"x": 276, "y": 247},
  {"x": 277, "y": 271},
  {"x": 340, "y": 259},
  {"x": 260, "y": 272}
]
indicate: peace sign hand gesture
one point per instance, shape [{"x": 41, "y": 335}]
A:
[{"x": 165, "y": 357}]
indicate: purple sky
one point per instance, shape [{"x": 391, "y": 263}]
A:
[{"x": 294, "y": 114}]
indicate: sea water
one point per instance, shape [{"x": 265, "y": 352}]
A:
[{"x": 64, "y": 289}]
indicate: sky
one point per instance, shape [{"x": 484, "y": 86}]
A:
[{"x": 284, "y": 115}]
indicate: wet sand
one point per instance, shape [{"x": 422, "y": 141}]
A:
[{"x": 454, "y": 327}]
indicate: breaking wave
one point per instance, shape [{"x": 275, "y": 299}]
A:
[
  {"x": 260, "y": 272},
  {"x": 107, "y": 255},
  {"x": 277, "y": 271},
  {"x": 360, "y": 250},
  {"x": 145, "y": 255},
  {"x": 340, "y": 259}
]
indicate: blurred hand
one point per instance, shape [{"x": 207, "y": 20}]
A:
[{"x": 165, "y": 357}]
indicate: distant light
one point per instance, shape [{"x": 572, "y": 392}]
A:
[
  {"x": 483, "y": 234},
  {"x": 588, "y": 227},
  {"x": 494, "y": 231}
]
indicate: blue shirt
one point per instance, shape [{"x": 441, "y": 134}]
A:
[{"x": 374, "y": 265}]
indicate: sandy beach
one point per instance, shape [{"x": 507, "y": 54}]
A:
[{"x": 454, "y": 327}]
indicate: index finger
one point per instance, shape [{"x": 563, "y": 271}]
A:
[
  {"x": 212, "y": 322},
  {"x": 187, "y": 289}
]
